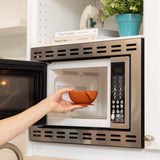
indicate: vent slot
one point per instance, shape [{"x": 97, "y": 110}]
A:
[
  {"x": 73, "y": 133},
  {"x": 100, "y": 139},
  {"x": 74, "y": 49},
  {"x": 61, "y": 50},
  {"x": 76, "y": 53},
  {"x": 101, "y": 47},
  {"x": 87, "y": 134},
  {"x": 115, "y": 46},
  {"x": 117, "y": 140},
  {"x": 131, "y": 49},
  {"x": 35, "y": 131},
  {"x": 37, "y": 57},
  {"x": 103, "y": 51},
  {"x": 100, "y": 134},
  {"x": 37, "y": 52},
  {"x": 131, "y": 136},
  {"x": 50, "y": 136},
  {"x": 87, "y": 52},
  {"x": 49, "y": 51},
  {"x": 48, "y": 132},
  {"x": 116, "y": 50},
  {"x": 130, "y": 140},
  {"x": 115, "y": 135},
  {"x": 36, "y": 135},
  {"x": 131, "y": 44},
  {"x": 62, "y": 54},
  {"x": 50, "y": 55},
  {"x": 60, "y": 132},
  {"x": 87, "y": 48}
]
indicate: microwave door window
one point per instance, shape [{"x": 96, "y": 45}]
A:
[{"x": 16, "y": 93}]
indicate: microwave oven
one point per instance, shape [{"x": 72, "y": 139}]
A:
[{"x": 115, "y": 69}]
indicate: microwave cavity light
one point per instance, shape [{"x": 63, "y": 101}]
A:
[{"x": 3, "y": 83}]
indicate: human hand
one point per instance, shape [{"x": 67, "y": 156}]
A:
[{"x": 59, "y": 105}]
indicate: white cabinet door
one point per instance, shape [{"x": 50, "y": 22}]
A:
[{"x": 152, "y": 73}]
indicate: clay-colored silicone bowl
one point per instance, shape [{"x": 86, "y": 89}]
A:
[{"x": 83, "y": 97}]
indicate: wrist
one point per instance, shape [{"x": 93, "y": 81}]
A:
[{"x": 47, "y": 105}]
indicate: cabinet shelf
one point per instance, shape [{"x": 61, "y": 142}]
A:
[{"x": 13, "y": 27}]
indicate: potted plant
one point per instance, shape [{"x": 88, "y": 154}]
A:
[{"x": 128, "y": 15}]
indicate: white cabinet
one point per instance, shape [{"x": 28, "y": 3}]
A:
[
  {"x": 13, "y": 29},
  {"x": 152, "y": 74},
  {"x": 49, "y": 16}
]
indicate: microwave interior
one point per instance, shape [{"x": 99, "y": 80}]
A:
[{"x": 86, "y": 77}]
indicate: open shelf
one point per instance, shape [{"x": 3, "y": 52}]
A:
[{"x": 13, "y": 27}]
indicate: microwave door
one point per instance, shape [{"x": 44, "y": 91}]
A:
[
  {"x": 82, "y": 75},
  {"x": 22, "y": 84}
]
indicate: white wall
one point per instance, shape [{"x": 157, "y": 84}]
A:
[
  {"x": 13, "y": 47},
  {"x": 13, "y": 9}
]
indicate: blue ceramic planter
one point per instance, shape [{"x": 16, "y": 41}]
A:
[{"x": 128, "y": 24}]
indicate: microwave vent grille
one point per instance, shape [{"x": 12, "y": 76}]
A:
[
  {"x": 115, "y": 137},
  {"x": 82, "y": 136},
  {"x": 84, "y": 50},
  {"x": 74, "y": 51},
  {"x": 131, "y": 138},
  {"x": 49, "y": 53},
  {"x": 73, "y": 135},
  {"x": 116, "y": 48},
  {"x": 131, "y": 47},
  {"x": 37, "y": 133},
  {"x": 37, "y": 55}
]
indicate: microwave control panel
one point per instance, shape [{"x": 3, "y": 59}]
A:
[{"x": 118, "y": 92}]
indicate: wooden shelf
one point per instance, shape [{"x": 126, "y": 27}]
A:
[{"x": 13, "y": 27}]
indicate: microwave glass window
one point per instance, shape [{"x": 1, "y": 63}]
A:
[{"x": 16, "y": 92}]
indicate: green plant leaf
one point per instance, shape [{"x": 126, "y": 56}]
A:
[{"x": 112, "y": 7}]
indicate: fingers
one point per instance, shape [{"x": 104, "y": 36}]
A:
[
  {"x": 65, "y": 90},
  {"x": 73, "y": 107},
  {"x": 70, "y": 108}
]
